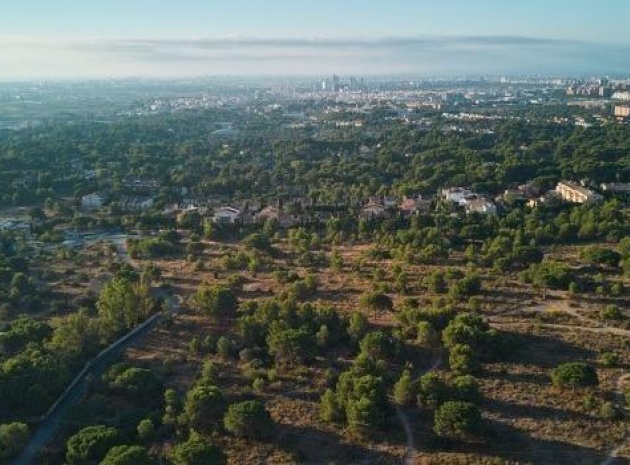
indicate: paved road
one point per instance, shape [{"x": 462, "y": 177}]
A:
[{"x": 47, "y": 428}]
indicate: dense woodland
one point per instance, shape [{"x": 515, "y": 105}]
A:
[{"x": 417, "y": 338}]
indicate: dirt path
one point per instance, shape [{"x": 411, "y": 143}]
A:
[
  {"x": 402, "y": 417},
  {"x": 411, "y": 447}
]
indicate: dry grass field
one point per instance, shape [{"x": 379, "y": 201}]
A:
[{"x": 529, "y": 420}]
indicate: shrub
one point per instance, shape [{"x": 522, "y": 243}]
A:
[
  {"x": 608, "y": 411},
  {"x": 611, "y": 312},
  {"x": 609, "y": 359},
  {"x": 457, "y": 420},
  {"x": 247, "y": 419},
  {"x": 377, "y": 301},
  {"x": 575, "y": 374}
]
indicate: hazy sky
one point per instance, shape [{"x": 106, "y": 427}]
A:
[{"x": 190, "y": 37}]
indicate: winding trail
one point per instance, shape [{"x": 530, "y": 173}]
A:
[{"x": 402, "y": 417}]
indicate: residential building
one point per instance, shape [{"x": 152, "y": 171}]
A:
[
  {"x": 136, "y": 204},
  {"x": 94, "y": 200},
  {"x": 457, "y": 195},
  {"x": 622, "y": 111},
  {"x": 481, "y": 205},
  {"x": 268, "y": 213},
  {"x": 226, "y": 215},
  {"x": 413, "y": 205},
  {"x": 373, "y": 210},
  {"x": 571, "y": 192},
  {"x": 548, "y": 199}
]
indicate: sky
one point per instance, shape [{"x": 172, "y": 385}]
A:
[{"x": 83, "y": 38}]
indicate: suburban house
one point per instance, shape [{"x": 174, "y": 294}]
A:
[
  {"x": 375, "y": 209},
  {"x": 481, "y": 205},
  {"x": 226, "y": 215},
  {"x": 575, "y": 193},
  {"x": 136, "y": 204},
  {"x": 458, "y": 195},
  {"x": 268, "y": 213},
  {"x": 94, "y": 200},
  {"x": 413, "y": 205}
]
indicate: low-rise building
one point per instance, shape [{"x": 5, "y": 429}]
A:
[
  {"x": 457, "y": 195},
  {"x": 136, "y": 204},
  {"x": 622, "y": 111},
  {"x": 550, "y": 198},
  {"x": 571, "y": 192},
  {"x": 481, "y": 205},
  {"x": 268, "y": 213},
  {"x": 226, "y": 215},
  {"x": 413, "y": 205},
  {"x": 616, "y": 187},
  {"x": 94, "y": 200},
  {"x": 374, "y": 210}
]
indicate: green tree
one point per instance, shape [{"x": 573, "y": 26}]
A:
[
  {"x": 91, "y": 444},
  {"x": 377, "y": 301},
  {"x": 118, "y": 307},
  {"x": 209, "y": 373},
  {"x": 196, "y": 451},
  {"x": 137, "y": 383},
  {"x": 427, "y": 335},
  {"x": 204, "y": 407},
  {"x": 466, "y": 328},
  {"x": 13, "y": 437},
  {"x": 248, "y": 419},
  {"x": 291, "y": 346},
  {"x": 75, "y": 334},
  {"x": 377, "y": 345},
  {"x": 146, "y": 429},
  {"x": 127, "y": 455},
  {"x": 463, "y": 360},
  {"x": 363, "y": 399},
  {"x": 433, "y": 391},
  {"x": 466, "y": 388},
  {"x": 172, "y": 407},
  {"x": 596, "y": 255},
  {"x": 403, "y": 389},
  {"x": 257, "y": 241},
  {"x": 217, "y": 303},
  {"x": 329, "y": 408},
  {"x": 457, "y": 420},
  {"x": 225, "y": 347},
  {"x": 357, "y": 326}
]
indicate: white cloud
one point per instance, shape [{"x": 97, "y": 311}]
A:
[{"x": 421, "y": 55}]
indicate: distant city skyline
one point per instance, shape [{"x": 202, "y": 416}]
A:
[{"x": 70, "y": 38}]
